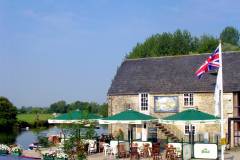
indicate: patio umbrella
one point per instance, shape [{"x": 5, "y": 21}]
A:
[
  {"x": 190, "y": 116},
  {"x": 74, "y": 117},
  {"x": 128, "y": 117}
]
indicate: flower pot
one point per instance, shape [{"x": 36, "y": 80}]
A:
[
  {"x": 16, "y": 153},
  {"x": 60, "y": 158},
  {"x": 3, "y": 152},
  {"x": 48, "y": 158}
]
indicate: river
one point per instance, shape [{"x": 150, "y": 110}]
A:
[{"x": 26, "y": 137}]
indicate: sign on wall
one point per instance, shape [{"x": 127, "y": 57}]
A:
[
  {"x": 166, "y": 104},
  {"x": 206, "y": 151},
  {"x": 187, "y": 151}
]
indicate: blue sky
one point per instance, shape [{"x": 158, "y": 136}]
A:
[{"x": 70, "y": 49}]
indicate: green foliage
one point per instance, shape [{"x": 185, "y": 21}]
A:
[
  {"x": 104, "y": 110},
  {"x": 207, "y": 44},
  {"x": 8, "y": 113},
  {"x": 120, "y": 135},
  {"x": 59, "y": 107},
  {"x": 30, "y": 110},
  {"x": 75, "y": 145},
  {"x": 179, "y": 42},
  {"x": 43, "y": 141},
  {"x": 230, "y": 35},
  {"x": 8, "y": 136},
  {"x": 90, "y": 107},
  {"x": 230, "y": 47},
  {"x": 31, "y": 118},
  {"x": 182, "y": 43}
]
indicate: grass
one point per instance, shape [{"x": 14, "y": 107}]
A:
[{"x": 31, "y": 118}]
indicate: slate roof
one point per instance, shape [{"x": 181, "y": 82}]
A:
[{"x": 173, "y": 74}]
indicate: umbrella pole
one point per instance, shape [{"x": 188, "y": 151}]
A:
[
  {"x": 118, "y": 147},
  {"x": 192, "y": 140},
  {"x": 129, "y": 141}
]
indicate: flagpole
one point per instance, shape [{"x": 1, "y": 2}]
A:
[{"x": 221, "y": 106}]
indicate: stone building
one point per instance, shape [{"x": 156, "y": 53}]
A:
[{"x": 166, "y": 85}]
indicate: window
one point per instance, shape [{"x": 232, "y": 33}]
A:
[
  {"x": 187, "y": 128},
  {"x": 144, "y": 101},
  {"x": 188, "y": 99}
]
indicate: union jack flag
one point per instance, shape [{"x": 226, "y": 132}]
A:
[{"x": 212, "y": 63}]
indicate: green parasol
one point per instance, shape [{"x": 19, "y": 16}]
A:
[
  {"x": 128, "y": 117},
  {"x": 190, "y": 116},
  {"x": 74, "y": 117}
]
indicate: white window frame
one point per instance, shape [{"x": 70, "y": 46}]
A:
[
  {"x": 194, "y": 128},
  {"x": 143, "y": 101},
  {"x": 188, "y": 99}
]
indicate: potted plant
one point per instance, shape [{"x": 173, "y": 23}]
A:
[
  {"x": 16, "y": 151},
  {"x": 61, "y": 156},
  {"x": 48, "y": 156},
  {"x": 4, "y": 149}
]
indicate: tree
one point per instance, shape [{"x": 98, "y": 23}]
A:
[
  {"x": 104, "y": 110},
  {"x": 179, "y": 42},
  {"x": 8, "y": 114},
  {"x": 59, "y": 107},
  {"x": 230, "y": 35},
  {"x": 207, "y": 44}
]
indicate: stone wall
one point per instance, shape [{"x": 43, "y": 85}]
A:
[{"x": 203, "y": 101}]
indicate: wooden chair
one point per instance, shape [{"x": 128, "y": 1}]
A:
[
  {"x": 145, "y": 152},
  {"x": 170, "y": 153},
  {"x": 122, "y": 152},
  {"x": 156, "y": 152},
  {"x": 134, "y": 153}
]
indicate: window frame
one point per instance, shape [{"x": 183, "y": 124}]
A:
[
  {"x": 188, "y": 99},
  {"x": 194, "y": 128},
  {"x": 144, "y": 101}
]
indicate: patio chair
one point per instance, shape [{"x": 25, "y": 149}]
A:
[
  {"x": 122, "y": 151},
  {"x": 170, "y": 153},
  {"x": 114, "y": 151},
  {"x": 101, "y": 147},
  {"x": 134, "y": 153},
  {"x": 92, "y": 147},
  {"x": 106, "y": 149},
  {"x": 146, "y": 149},
  {"x": 156, "y": 152}
]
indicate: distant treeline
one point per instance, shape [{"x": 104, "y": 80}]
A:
[
  {"x": 34, "y": 117},
  {"x": 181, "y": 42},
  {"x": 63, "y": 107}
]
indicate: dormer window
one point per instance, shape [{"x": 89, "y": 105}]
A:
[{"x": 188, "y": 99}]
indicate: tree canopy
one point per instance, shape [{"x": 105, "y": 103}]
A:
[
  {"x": 181, "y": 42},
  {"x": 8, "y": 113},
  {"x": 91, "y": 107},
  {"x": 230, "y": 35}
]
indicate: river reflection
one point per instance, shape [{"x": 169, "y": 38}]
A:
[{"x": 24, "y": 138}]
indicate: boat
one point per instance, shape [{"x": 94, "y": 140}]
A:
[{"x": 34, "y": 145}]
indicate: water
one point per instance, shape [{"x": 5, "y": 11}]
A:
[
  {"x": 9, "y": 157},
  {"x": 24, "y": 138}
]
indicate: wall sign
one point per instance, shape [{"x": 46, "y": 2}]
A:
[
  {"x": 187, "y": 151},
  {"x": 206, "y": 151},
  {"x": 166, "y": 104}
]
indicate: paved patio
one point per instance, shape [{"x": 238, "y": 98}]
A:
[{"x": 229, "y": 155}]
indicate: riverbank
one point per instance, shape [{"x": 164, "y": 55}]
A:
[{"x": 33, "y": 120}]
